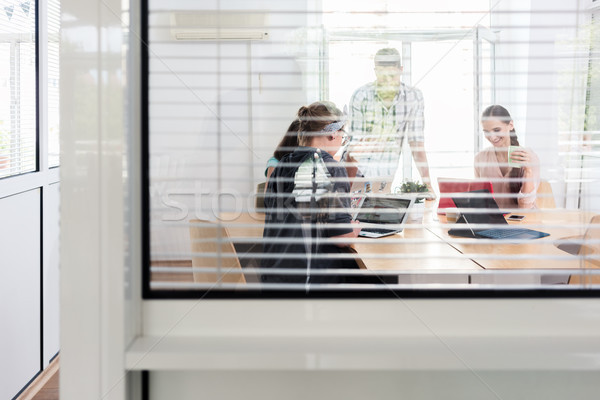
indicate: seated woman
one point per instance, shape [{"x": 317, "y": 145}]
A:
[
  {"x": 513, "y": 186},
  {"x": 287, "y": 145},
  {"x": 305, "y": 203}
]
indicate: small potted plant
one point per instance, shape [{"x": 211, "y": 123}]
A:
[{"x": 418, "y": 190}]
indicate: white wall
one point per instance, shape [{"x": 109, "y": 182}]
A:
[
  {"x": 408, "y": 348},
  {"x": 20, "y": 246},
  {"x": 556, "y": 86},
  {"x": 217, "y": 113},
  {"x": 541, "y": 79},
  {"x": 51, "y": 272}
]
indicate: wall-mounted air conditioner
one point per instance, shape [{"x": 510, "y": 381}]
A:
[{"x": 210, "y": 25}]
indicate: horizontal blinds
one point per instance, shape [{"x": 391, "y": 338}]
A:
[
  {"x": 225, "y": 83},
  {"x": 53, "y": 82},
  {"x": 18, "y": 94}
]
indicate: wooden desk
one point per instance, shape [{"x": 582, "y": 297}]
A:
[
  {"x": 531, "y": 254},
  {"x": 416, "y": 248},
  {"x": 428, "y": 246}
]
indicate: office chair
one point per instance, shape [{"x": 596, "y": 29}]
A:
[
  {"x": 212, "y": 248},
  {"x": 545, "y": 198},
  {"x": 259, "y": 197},
  {"x": 589, "y": 247}
]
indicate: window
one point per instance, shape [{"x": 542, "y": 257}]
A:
[
  {"x": 429, "y": 58},
  {"x": 53, "y": 82},
  {"x": 589, "y": 140},
  {"x": 223, "y": 84},
  {"x": 29, "y": 189},
  {"x": 18, "y": 80}
]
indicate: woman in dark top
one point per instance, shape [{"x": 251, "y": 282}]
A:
[
  {"x": 287, "y": 145},
  {"x": 306, "y": 199}
]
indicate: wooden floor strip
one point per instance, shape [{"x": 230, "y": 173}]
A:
[{"x": 45, "y": 386}]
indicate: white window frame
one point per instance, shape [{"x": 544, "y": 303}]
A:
[{"x": 41, "y": 178}]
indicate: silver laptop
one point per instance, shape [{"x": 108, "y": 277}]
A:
[{"x": 382, "y": 215}]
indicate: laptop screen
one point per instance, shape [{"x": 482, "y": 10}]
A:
[
  {"x": 383, "y": 210},
  {"x": 450, "y": 187},
  {"x": 479, "y": 207}
]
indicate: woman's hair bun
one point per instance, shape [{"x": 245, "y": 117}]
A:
[{"x": 304, "y": 112}]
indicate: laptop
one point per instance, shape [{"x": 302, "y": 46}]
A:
[
  {"x": 382, "y": 215},
  {"x": 478, "y": 209},
  {"x": 450, "y": 186}
]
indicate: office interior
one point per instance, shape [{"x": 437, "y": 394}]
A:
[{"x": 128, "y": 134}]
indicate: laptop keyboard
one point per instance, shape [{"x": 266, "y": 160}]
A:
[{"x": 502, "y": 233}]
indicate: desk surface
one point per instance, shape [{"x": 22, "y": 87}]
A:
[
  {"x": 427, "y": 245},
  {"x": 416, "y": 248},
  {"x": 543, "y": 253}
]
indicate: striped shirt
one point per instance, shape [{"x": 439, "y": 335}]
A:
[{"x": 378, "y": 131}]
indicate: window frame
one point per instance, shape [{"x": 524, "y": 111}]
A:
[{"x": 314, "y": 293}]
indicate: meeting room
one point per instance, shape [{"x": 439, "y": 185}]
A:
[{"x": 353, "y": 147}]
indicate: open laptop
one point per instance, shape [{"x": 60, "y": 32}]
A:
[
  {"x": 478, "y": 211},
  {"x": 450, "y": 186},
  {"x": 382, "y": 215}
]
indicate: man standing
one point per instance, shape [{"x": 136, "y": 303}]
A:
[{"x": 382, "y": 114}]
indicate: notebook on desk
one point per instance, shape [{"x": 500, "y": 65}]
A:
[
  {"x": 478, "y": 211},
  {"x": 382, "y": 215}
]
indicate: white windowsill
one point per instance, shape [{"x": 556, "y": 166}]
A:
[{"x": 364, "y": 354}]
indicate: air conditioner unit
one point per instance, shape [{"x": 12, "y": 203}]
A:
[{"x": 226, "y": 25}]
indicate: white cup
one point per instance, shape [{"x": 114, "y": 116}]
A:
[{"x": 452, "y": 214}]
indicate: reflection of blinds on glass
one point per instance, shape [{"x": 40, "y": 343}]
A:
[
  {"x": 474, "y": 197},
  {"x": 53, "y": 82},
  {"x": 18, "y": 94}
]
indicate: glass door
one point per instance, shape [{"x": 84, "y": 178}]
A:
[{"x": 454, "y": 70}]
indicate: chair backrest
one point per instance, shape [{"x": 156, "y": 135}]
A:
[
  {"x": 591, "y": 243},
  {"x": 589, "y": 247},
  {"x": 259, "y": 199},
  {"x": 544, "y": 196},
  {"x": 212, "y": 248}
]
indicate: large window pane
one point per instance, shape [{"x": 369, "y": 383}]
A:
[
  {"x": 225, "y": 81},
  {"x": 18, "y": 95}
]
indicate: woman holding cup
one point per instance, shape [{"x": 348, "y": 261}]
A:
[{"x": 513, "y": 169}]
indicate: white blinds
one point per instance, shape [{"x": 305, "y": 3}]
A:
[
  {"x": 18, "y": 82},
  {"x": 226, "y": 81},
  {"x": 53, "y": 82}
]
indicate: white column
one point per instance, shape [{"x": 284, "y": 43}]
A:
[{"x": 94, "y": 109}]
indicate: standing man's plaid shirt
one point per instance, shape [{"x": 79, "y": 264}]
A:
[{"x": 380, "y": 130}]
